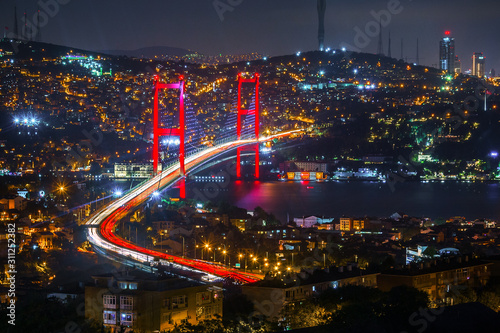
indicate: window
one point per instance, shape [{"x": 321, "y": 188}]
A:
[
  {"x": 179, "y": 302},
  {"x": 126, "y": 302},
  {"x": 122, "y": 285},
  {"x": 206, "y": 312},
  {"x": 166, "y": 303},
  {"x": 132, "y": 286},
  {"x": 109, "y": 301},
  {"x": 109, "y": 317},
  {"x": 127, "y": 318},
  {"x": 203, "y": 297}
]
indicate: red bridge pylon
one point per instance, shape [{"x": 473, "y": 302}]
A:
[
  {"x": 161, "y": 131},
  {"x": 241, "y": 112}
]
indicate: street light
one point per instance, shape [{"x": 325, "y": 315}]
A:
[
  {"x": 61, "y": 189},
  {"x": 203, "y": 248}
]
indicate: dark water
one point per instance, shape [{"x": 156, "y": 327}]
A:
[{"x": 334, "y": 199}]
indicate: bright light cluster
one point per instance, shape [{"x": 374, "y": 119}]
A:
[
  {"x": 172, "y": 142},
  {"x": 26, "y": 121}
]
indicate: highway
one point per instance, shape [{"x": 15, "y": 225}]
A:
[{"x": 102, "y": 223}]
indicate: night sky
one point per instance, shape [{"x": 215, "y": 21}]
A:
[{"x": 270, "y": 27}]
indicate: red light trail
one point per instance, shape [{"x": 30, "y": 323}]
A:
[{"x": 101, "y": 225}]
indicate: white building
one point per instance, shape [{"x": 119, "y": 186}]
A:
[{"x": 309, "y": 221}]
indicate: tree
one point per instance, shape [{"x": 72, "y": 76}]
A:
[
  {"x": 304, "y": 314},
  {"x": 400, "y": 302},
  {"x": 490, "y": 299}
]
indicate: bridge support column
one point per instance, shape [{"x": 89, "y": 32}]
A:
[{"x": 254, "y": 148}]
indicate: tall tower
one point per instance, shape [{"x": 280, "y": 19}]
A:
[
  {"x": 447, "y": 53},
  {"x": 16, "y": 25},
  {"x": 402, "y": 55},
  {"x": 38, "y": 37},
  {"x": 389, "y": 53},
  {"x": 321, "y": 23},
  {"x": 417, "y": 59},
  {"x": 478, "y": 64},
  {"x": 380, "y": 50}
]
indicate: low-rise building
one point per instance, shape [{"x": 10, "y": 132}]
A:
[
  {"x": 133, "y": 170},
  {"x": 353, "y": 224},
  {"x": 437, "y": 278},
  {"x": 13, "y": 202},
  {"x": 310, "y": 221},
  {"x": 150, "y": 303},
  {"x": 276, "y": 293}
]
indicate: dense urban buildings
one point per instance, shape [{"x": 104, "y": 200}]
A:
[{"x": 337, "y": 189}]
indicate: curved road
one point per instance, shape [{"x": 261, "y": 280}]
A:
[{"x": 101, "y": 225}]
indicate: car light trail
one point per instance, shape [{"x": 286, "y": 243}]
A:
[{"x": 102, "y": 223}]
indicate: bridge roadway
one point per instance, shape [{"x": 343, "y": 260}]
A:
[{"x": 100, "y": 231}]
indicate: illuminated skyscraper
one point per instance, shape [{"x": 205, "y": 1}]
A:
[
  {"x": 478, "y": 64},
  {"x": 447, "y": 53},
  {"x": 321, "y": 23}
]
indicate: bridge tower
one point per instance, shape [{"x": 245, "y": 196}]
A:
[
  {"x": 241, "y": 112},
  {"x": 159, "y": 131}
]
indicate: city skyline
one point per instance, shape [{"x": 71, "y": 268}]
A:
[
  {"x": 224, "y": 28},
  {"x": 283, "y": 173}
]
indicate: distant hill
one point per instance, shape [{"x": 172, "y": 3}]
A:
[
  {"x": 31, "y": 49},
  {"x": 22, "y": 49},
  {"x": 150, "y": 52}
]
